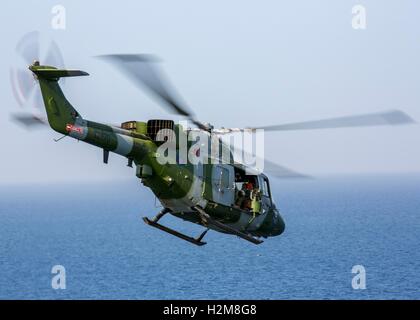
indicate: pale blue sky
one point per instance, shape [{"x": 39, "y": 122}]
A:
[{"x": 236, "y": 63}]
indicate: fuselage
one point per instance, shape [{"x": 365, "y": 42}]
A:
[{"x": 181, "y": 185}]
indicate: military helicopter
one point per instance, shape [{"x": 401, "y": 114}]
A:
[{"x": 226, "y": 197}]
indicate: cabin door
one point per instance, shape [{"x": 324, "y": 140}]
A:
[{"x": 223, "y": 184}]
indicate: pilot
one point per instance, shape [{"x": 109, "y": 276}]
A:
[
  {"x": 247, "y": 187},
  {"x": 240, "y": 197}
]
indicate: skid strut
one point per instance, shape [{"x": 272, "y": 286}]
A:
[{"x": 154, "y": 223}]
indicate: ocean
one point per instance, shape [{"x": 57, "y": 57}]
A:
[{"x": 95, "y": 232}]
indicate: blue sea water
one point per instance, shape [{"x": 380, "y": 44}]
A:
[{"x": 95, "y": 232}]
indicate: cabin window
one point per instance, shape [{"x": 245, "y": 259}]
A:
[
  {"x": 224, "y": 178},
  {"x": 265, "y": 189},
  {"x": 221, "y": 178}
]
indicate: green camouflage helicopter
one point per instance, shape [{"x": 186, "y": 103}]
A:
[{"x": 227, "y": 197}]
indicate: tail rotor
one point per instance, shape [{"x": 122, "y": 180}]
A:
[{"x": 32, "y": 48}]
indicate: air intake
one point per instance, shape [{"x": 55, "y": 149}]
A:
[{"x": 154, "y": 126}]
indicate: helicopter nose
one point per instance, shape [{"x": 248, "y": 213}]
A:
[{"x": 279, "y": 225}]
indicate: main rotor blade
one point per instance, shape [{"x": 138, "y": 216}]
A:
[
  {"x": 279, "y": 171},
  {"x": 142, "y": 69},
  {"x": 270, "y": 167},
  {"x": 394, "y": 117}
]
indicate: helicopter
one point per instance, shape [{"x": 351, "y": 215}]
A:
[{"x": 227, "y": 197}]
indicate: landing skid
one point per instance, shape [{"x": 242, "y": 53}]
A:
[
  {"x": 208, "y": 221},
  {"x": 154, "y": 223}
]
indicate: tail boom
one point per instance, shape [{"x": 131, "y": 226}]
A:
[{"x": 65, "y": 119}]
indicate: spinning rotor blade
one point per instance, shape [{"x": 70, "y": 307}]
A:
[
  {"x": 270, "y": 168},
  {"x": 142, "y": 69},
  {"x": 279, "y": 171},
  {"x": 394, "y": 117},
  {"x": 28, "y": 47},
  {"x": 24, "y": 84},
  {"x": 53, "y": 57},
  {"x": 29, "y": 120}
]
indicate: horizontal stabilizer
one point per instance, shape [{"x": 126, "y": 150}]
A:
[{"x": 53, "y": 74}]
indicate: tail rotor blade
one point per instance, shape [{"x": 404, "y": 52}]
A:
[
  {"x": 28, "y": 47},
  {"x": 53, "y": 56},
  {"x": 37, "y": 100},
  {"x": 28, "y": 120},
  {"x": 24, "y": 85}
]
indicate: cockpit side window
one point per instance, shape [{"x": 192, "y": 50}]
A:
[{"x": 265, "y": 187}]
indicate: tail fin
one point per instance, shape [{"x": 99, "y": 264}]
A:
[{"x": 60, "y": 112}]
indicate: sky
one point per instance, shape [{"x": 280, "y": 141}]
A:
[{"x": 237, "y": 64}]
